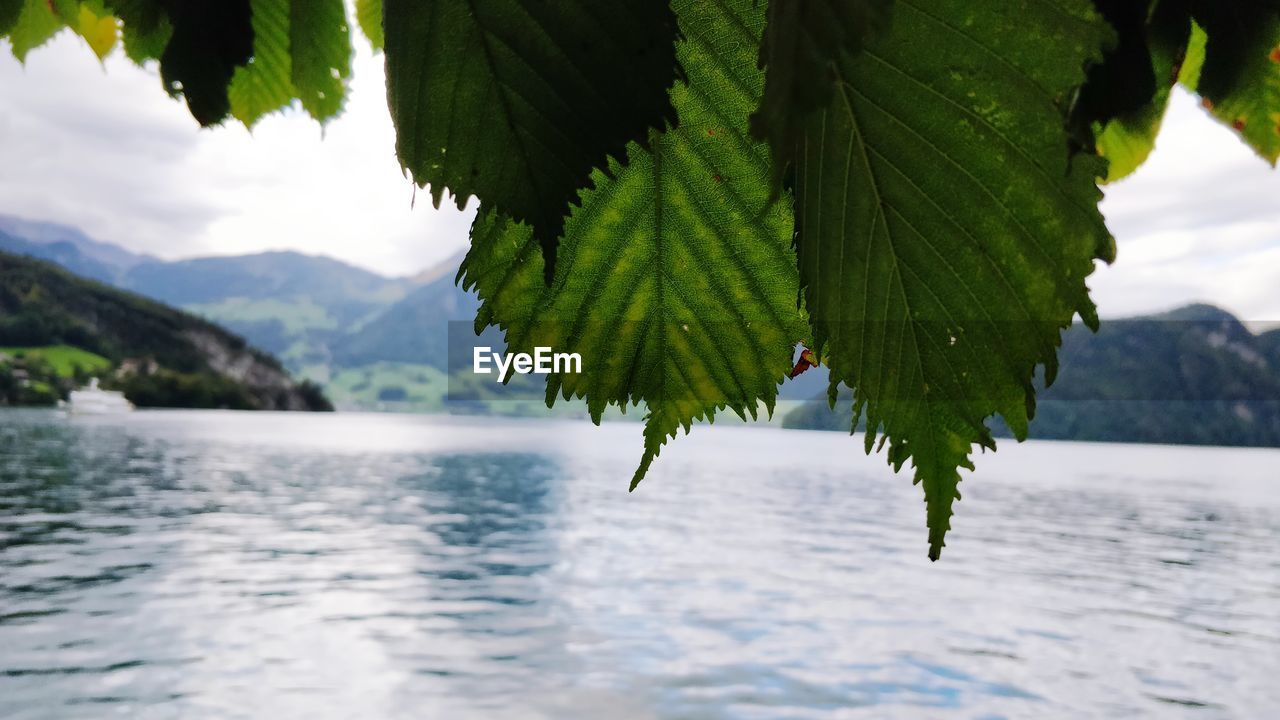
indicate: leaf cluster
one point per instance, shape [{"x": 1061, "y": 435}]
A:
[{"x": 1227, "y": 52}]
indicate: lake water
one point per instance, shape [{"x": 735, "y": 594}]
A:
[{"x": 225, "y": 565}]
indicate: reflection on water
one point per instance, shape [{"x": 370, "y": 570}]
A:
[{"x": 232, "y": 565}]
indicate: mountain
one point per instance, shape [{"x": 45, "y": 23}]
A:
[
  {"x": 415, "y": 329},
  {"x": 346, "y": 293},
  {"x": 1269, "y": 345},
  {"x": 160, "y": 356},
  {"x": 62, "y": 253},
  {"x": 294, "y": 305},
  {"x": 1195, "y": 375},
  {"x": 71, "y": 244},
  {"x": 373, "y": 341}
]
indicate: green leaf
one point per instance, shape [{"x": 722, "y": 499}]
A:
[
  {"x": 1240, "y": 69},
  {"x": 1127, "y": 139},
  {"x": 369, "y": 15},
  {"x": 320, "y": 41},
  {"x": 944, "y": 232},
  {"x": 146, "y": 29},
  {"x": 9, "y": 12},
  {"x": 517, "y": 102},
  {"x": 1125, "y": 81},
  {"x": 802, "y": 41},
  {"x": 301, "y": 49},
  {"x": 1193, "y": 61},
  {"x": 210, "y": 39},
  {"x": 265, "y": 84},
  {"x": 35, "y": 26},
  {"x": 1238, "y": 34},
  {"x": 677, "y": 283},
  {"x": 1230, "y": 55}
]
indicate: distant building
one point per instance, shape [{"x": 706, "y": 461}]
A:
[{"x": 137, "y": 366}]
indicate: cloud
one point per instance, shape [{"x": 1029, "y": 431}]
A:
[
  {"x": 102, "y": 147},
  {"x": 1200, "y": 221}
]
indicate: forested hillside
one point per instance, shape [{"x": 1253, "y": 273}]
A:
[
  {"x": 1195, "y": 375},
  {"x": 158, "y": 356}
]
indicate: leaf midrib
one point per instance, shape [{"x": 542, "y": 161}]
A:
[
  {"x": 878, "y": 217},
  {"x": 899, "y": 265}
]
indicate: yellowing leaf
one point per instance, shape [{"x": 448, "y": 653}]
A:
[{"x": 101, "y": 32}]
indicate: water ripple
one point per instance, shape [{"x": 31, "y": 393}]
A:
[{"x": 228, "y": 565}]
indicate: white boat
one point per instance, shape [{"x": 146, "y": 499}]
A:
[{"x": 93, "y": 400}]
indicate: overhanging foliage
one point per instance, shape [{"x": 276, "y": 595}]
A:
[{"x": 933, "y": 163}]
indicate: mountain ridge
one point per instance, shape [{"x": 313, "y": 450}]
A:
[
  {"x": 370, "y": 338},
  {"x": 42, "y": 232},
  {"x": 1192, "y": 375}
]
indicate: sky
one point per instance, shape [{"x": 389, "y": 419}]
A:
[{"x": 102, "y": 147}]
